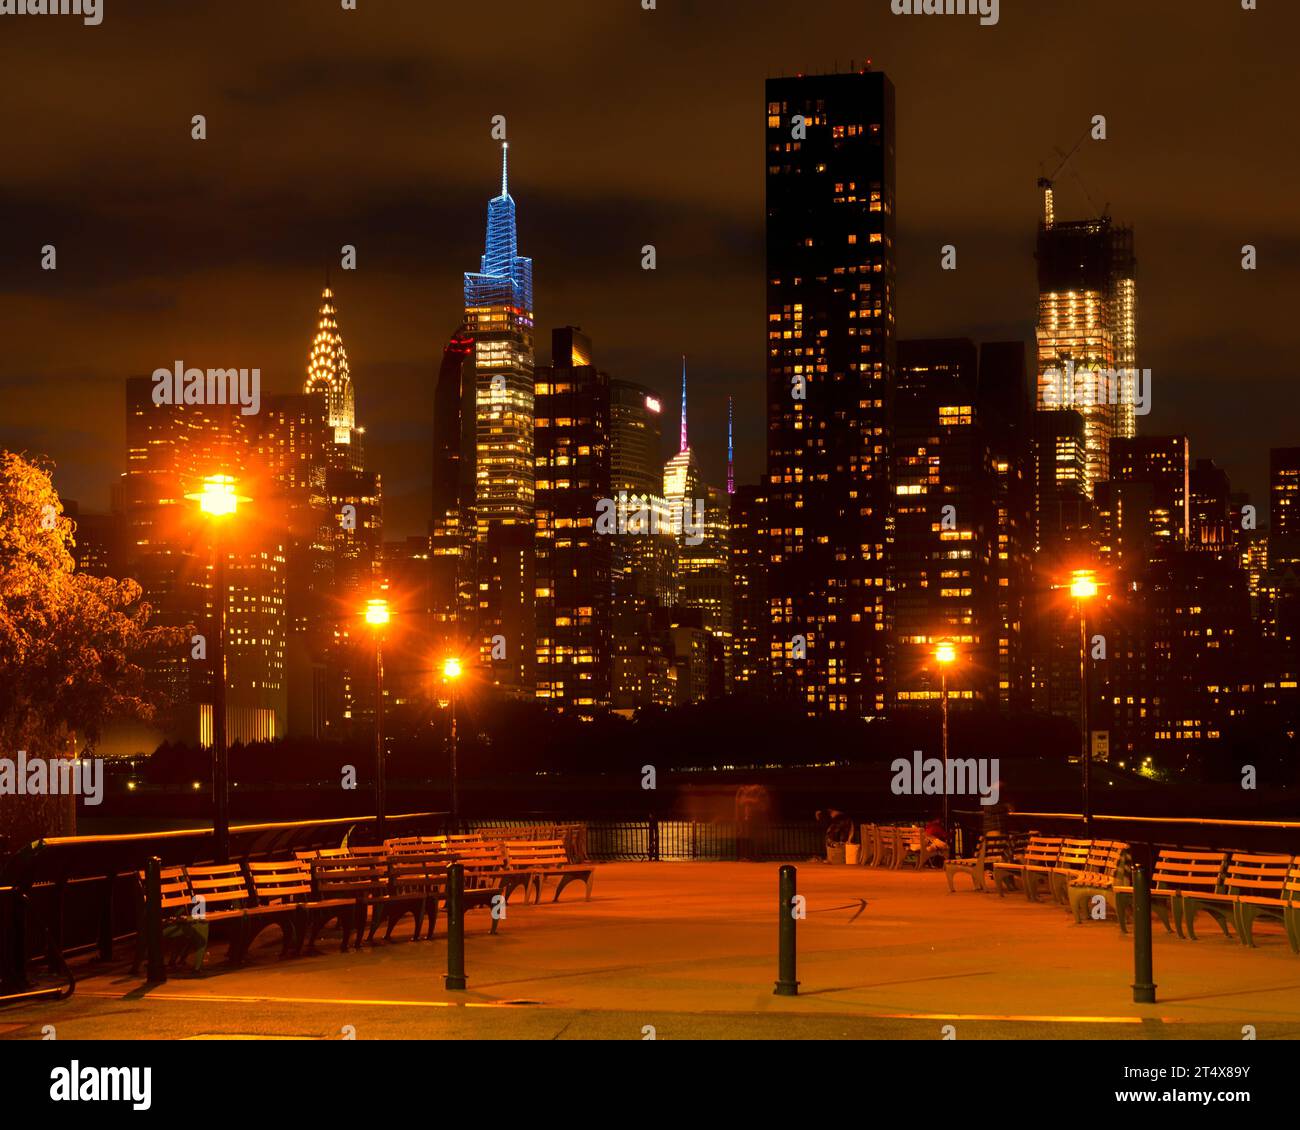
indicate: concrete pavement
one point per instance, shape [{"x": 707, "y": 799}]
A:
[{"x": 688, "y": 950}]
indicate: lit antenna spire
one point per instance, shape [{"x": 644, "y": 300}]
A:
[
  {"x": 684, "y": 443},
  {"x": 505, "y": 148},
  {"x": 731, "y": 465}
]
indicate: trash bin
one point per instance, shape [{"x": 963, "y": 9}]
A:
[
  {"x": 835, "y": 853},
  {"x": 852, "y": 854}
]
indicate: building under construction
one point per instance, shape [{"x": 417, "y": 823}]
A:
[{"x": 1087, "y": 327}]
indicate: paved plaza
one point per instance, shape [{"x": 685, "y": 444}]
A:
[{"x": 688, "y": 950}]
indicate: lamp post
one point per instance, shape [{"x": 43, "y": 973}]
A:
[
  {"x": 218, "y": 501},
  {"x": 377, "y": 617},
  {"x": 451, "y": 672},
  {"x": 944, "y": 654},
  {"x": 1083, "y": 587}
]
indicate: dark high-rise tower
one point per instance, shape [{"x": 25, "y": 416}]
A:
[
  {"x": 573, "y": 558},
  {"x": 961, "y": 521},
  {"x": 451, "y": 531},
  {"x": 830, "y": 370}
]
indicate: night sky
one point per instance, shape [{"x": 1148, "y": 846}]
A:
[{"x": 372, "y": 127}]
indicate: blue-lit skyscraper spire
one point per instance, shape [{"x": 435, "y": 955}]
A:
[
  {"x": 731, "y": 453},
  {"x": 504, "y": 278},
  {"x": 684, "y": 445}
]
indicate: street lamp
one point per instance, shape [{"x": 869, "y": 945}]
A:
[
  {"x": 218, "y": 501},
  {"x": 376, "y": 616},
  {"x": 944, "y": 655},
  {"x": 1083, "y": 587},
  {"x": 451, "y": 672}
]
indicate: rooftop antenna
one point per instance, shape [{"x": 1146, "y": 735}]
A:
[
  {"x": 505, "y": 146},
  {"x": 731, "y": 466},
  {"x": 684, "y": 444}
]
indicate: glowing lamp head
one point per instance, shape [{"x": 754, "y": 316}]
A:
[
  {"x": 217, "y": 499},
  {"x": 1083, "y": 584},
  {"x": 376, "y": 613},
  {"x": 451, "y": 668},
  {"x": 945, "y": 653}
]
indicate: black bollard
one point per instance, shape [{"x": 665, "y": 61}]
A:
[
  {"x": 153, "y": 920},
  {"x": 455, "y": 978},
  {"x": 786, "y": 985},
  {"x": 1144, "y": 988}
]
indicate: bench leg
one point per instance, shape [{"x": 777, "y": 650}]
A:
[
  {"x": 1291, "y": 920},
  {"x": 1031, "y": 885},
  {"x": 1190, "y": 908},
  {"x": 562, "y": 882}
]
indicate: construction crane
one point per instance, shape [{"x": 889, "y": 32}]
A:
[{"x": 1047, "y": 184}]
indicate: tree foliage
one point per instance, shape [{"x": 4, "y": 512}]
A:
[{"x": 70, "y": 643}]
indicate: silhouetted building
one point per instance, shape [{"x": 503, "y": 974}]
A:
[
  {"x": 1142, "y": 511},
  {"x": 830, "y": 370},
  {"x": 574, "y": 561},
  {"x": 452, "y": 530},
  {"x": 751, "y": 616},
  {"x": 960, "y": 523},
  {"x": 96, "y": 548}
]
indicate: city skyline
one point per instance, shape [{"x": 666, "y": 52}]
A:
[{"x": 194, "y": 291}]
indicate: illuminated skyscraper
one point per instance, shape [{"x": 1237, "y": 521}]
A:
[
  {"x": 499, "y": 319},
  {"x": 682, "y": 481},
  {"x": 645, "y": 563},
  {"x": 1087, "y": 324},
  {"x": 169, "y": 549},
  {"x": 830, "y": 372},
  {"x": 328, "y": 373},
  {"x": 1284, "y": 508}
]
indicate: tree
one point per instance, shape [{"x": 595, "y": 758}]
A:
[{"x": 69, "y": 645}]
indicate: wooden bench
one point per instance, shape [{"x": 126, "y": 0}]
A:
[
  {"x": 1041, "y": 853},
  {"x": 886, "y": 846},
  {"x": 1291, "y": 916},
  {"x": 288, "y": 884},
  {"x": 1176, "y": 872},
  {"x": 1270, "y": 899},
  {"x": 419, "y": 874},
  {"x": 486, "y": 866},
  {"x": 910, "y": 843},
  {"x": 1254, "y": 881},
  {"x": 175, "y": 909},
  {"x": 321, "y": 853},
  {"x": 546, "y": 859},
  {"x": 1106, "y": 866},
  {"x": 366, "y": 882},
  {"x": 1072, "y": 860},
  {"x": 419, "y": 845},
  {"x": 221, "y": 895},
  {"x": 989, "y": 849}
]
